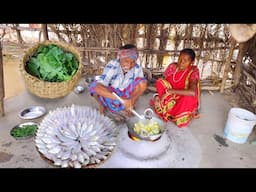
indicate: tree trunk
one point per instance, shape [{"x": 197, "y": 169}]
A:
[
  {"x": 45, "y": 32},
  {"x": 237, "y": 72},
  {"x": 1, "y": 82},
  {"x": 19, "y": 37}
]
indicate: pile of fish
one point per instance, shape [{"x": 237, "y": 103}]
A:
[{"x": 76, "y": 136}]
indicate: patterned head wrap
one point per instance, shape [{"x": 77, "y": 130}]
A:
[{"x": 130, "y": 53}]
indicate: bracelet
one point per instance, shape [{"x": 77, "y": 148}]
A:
[{"x": 155, "y": 94}]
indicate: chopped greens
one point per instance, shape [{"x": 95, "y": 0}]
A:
[
  {"x": 24, "y": 131},
  {"x": 51, "y": 63}
]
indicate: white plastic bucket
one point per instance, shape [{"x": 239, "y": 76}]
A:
[{"x": 239, "y": 125}]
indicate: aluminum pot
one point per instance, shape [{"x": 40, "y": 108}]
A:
[{"x": 146, "y": 118}]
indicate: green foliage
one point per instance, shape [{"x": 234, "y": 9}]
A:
[{"x": 51, "y": 63}]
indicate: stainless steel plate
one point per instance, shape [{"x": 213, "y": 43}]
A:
[
  {"x": 32, "y": 112},
  {"x": 20, "y": 126}
]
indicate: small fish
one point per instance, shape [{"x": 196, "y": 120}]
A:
[
  {"x": 57, "y": 162},
  {"x": 77, "y": 164},
  {"x": 64, "y": 164},
  {"x": 55, "y": 150}
]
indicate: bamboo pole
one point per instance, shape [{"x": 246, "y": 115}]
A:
[
  {"x": 237, "y": 72},
  {"x": 163, "y": 41},
  {"x": 148, "y": 46},
  {"x": 249, "y": 76},
  {"x": 227, "y": 65},
  {"x": 148, "y": 50},
  {"x": 135, "y": 33},
  {"x": 1, "y": 82}
]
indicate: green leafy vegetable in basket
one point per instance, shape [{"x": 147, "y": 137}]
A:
[
  {"x": 24, "y": 131},
  {"x": 51, "y": 63}
]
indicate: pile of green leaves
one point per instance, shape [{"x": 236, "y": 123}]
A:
[
  {"x": 24, "y": 131},
  {"x": 51, "y": 63}
]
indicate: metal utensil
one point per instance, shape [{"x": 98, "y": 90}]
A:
[
  {"x": 79, "y": 89},
  {"x": 32, "y": 112},
  {"x": 132, "y": 110}
]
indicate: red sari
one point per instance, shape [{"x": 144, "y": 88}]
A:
[{"x": 177, "y": 108}]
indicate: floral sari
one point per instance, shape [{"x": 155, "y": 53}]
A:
[{"x": 177, "y": 108}]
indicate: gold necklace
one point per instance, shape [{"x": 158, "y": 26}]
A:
[{"x": 173, "y": 77}]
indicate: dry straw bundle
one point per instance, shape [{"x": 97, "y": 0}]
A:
[{"x": 46, "y": 89}]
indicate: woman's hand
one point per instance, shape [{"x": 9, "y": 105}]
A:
[
  {"x": 191, "y": 91},
  {"x": 169, "y": 91}
]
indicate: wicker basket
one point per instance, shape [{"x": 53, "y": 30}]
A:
[{"x": 46, "y": 89}]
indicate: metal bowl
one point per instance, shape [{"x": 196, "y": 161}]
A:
[
  {"x": 79, "y": 89},
  {"x": 92, "y": 78},
  {"x": 32, "y": 112},
  {"x": 20, "y": 126}
]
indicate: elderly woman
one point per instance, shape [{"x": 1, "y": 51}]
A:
[
  {"x": 178, "y": 95},
  {"x": 124, "y": 77}
]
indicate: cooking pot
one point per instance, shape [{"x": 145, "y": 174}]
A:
[{"x": 145, "y": 119}]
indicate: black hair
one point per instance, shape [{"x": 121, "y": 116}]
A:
[
  {"x": 127, "y": 46},
  {"x": 190, "y": 52}
]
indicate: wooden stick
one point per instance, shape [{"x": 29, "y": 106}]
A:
[
  {"x": 45, "y": 31},
  {"x": 227, "y": 65},
  {"x": 1, "y": 82}
]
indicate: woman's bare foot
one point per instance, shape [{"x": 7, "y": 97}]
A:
[
  {"x": 196, "y": 115},
  {"x": 156, "y": 99}
]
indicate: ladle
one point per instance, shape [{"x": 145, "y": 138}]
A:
[{"x": 132, "y": 110}]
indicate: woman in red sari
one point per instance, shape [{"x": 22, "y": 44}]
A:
[{"x": 178, "y": 95}]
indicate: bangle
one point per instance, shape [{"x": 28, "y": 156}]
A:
[{"x": 154, "y": 95}]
